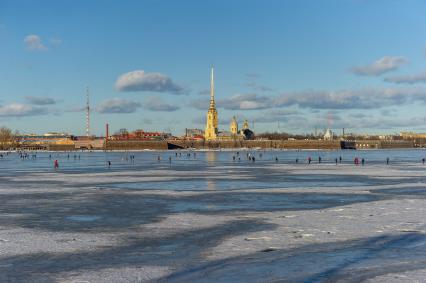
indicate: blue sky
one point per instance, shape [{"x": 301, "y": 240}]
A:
[{"x": 286, "y": 65}]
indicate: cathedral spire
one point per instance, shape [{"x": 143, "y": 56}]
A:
[
  {"x": 212, "y": 104},
  {"x": 211, "y": 124}
]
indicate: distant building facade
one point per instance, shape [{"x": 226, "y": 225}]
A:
[
  {"x": 194, "y": 134},
  {"x": 411, "y": 135},
  {"x": 123, "y": 134}
]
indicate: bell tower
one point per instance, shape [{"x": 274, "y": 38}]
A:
[
  {"x": 212, "y": 123},
  {"x": 234, "y": 126}
]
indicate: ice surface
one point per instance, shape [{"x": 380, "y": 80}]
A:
[{"x": 210, "y": 219}]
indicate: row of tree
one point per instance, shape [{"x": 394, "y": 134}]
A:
[
  {"x": 284, "y": 136},
  {"x": 7, "y": 138},
  {"x": 350, "y": 137}
]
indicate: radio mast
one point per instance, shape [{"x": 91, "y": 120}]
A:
[{"x": 87, "y": 113}]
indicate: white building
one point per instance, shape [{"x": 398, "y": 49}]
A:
[{"x": 328, "y": 135}]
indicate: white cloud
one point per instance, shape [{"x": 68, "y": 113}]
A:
[
  {"x": 249, "y": 101},
  {"x": 369, "y": 98},
  {"x": 33, "y": 42},
  {"x": 118, "y": 105},
  {"x": 281, "y": 115},
  {"x": 380, "y": 66},
  {"x": 382, "y": 123},
  {"x": 407, "y": 79},
  {"x": 21, "y": 110},
  {"x": 142, "y": 81},
  {"x": 350, "y": 121},
  {"x": 351, "y": 99},
  {"x": 154, "y": 103}
]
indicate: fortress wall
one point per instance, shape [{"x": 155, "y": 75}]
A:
[
  {"x": 224, "y": 144},
  {"x": 267, "y": 144},
  {"x": 60, "y": 147},
  {"x": 236, "y": 144},
  {"x": 378, "y": 144},
  {"x": 397, "y": 144},
  {"x": 136, "y": 145}
]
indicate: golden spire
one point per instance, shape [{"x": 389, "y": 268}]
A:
[
  {"x": 212, "y": 104},
  {"x": 211, "y": 124}
]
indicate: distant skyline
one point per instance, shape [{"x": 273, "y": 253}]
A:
[{"x": 286, "y": 65}]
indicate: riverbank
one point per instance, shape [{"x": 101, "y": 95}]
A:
[
  {"x": 251, "y": 144},
  {"x": 262, "y": 144},
  {"x": 228, "y": 144}
]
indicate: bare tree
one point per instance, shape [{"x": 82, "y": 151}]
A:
[
  {"x": 284, "y": 136},
  {"x": 7, "y": 138}
]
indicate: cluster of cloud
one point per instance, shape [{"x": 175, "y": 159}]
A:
[
  {"x": 40, "y": 100},
  {"x": 387, "y": 64},
  {"x": 143, "y": 81},
  {"x": 118, "y": 105},
  {"x": 281, "y": 115},
  {"x": 223, "y": 121},
  {"x": 384, "y": 123},
  {"x": 389, "y": 123},
  {"x": 155, "y": 103},
  {"x": 21, "y": 110},
  {"x": 407, "y": 79},
  {"x": 124, "y": 106},
  {"x": 312, "y": 99},
  {"x": 249, "y": 101},
  {"x": 351, "y": 99},
  {"x": 296, "y": 121},
  {"x": 33, "y": 42},
  {"x": 34, "y": 106},
  {"x": 380, "y": 66}
]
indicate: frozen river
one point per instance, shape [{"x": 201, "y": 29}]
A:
[{"x": 210, "y": 218}]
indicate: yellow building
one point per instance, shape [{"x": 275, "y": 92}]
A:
[
  {"x": 234, "y": 126},
  {"x": 212, "y": 133},
  {"x": 245, "y": 125},
  {"x": 212, "y": 121},
  {"x": 64, "y": 141},
  {"x": 411, "y": 135}
]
